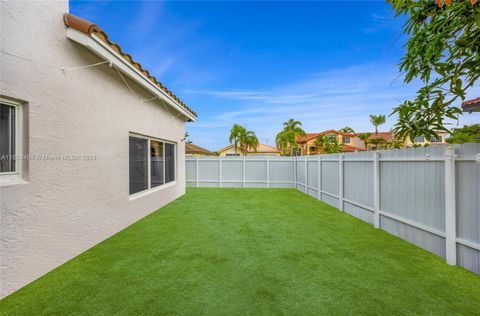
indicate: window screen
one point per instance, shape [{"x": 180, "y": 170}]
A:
[
  {"x": 419, "y": 139},
  {"x": 169, "y": 162},
  {"x": 7, "y": 138},
  {"x": 156, "y": 163},
  {"x": 138, "y": 164},
  {"x": 152, "y": 163},
  {"x": 435, "y": 139}
]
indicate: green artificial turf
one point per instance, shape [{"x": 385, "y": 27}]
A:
[{"x": 251, "y": 252}]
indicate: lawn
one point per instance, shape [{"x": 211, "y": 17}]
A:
[{"x": 250, "y": 252}]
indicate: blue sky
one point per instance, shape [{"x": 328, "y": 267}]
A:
[{"x": 327, "y": 64}]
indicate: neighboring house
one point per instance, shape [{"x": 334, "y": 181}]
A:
[
  {"x": 94, "y": 158},
  {"x": 433, "y": 141},
  {"x": 194, "y": 150},
  {"x": 262, "y": 150},
  {"x": 420, "y": 140},
  {"x": 307, "y": 146},
  {"x": 351, "y": 143},
  {"x": 471, "y": 105}
]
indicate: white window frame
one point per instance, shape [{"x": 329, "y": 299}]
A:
[
  {"x": 149, "y": 188},
  {"x": 15, "y": 177},
  {"x": 346, "y": 137}
]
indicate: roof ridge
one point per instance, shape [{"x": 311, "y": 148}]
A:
[{"x": 90, "y": 28}]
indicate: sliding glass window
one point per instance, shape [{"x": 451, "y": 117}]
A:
[{"x": 152, "y": 163}]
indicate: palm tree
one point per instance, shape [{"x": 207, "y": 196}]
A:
[
  {"x": 294, "y": 129},
  {"x": 376, "y": 121},
  {"x": 283, "y": 140},
  {"x": 334, "y": 147},
  {"x": 378, "y": 142},
  {"x": 187, "y": 141},
  {"x": 395, "y": 144},
  {"x": 235, "y": 133},
  {"x": 248, "y": 139},
  {"x": 321, "y": 142},
  {"x": 347, "y": 129},
  {"x": 365, "y": 137}
]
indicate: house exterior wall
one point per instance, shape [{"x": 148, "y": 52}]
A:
[
  {"x": 442, "y": 141},
  {"x": 309, "y": 148},
  {"x": 230, "y": 151},
  {"x": 65, "y": 207},
  {"x": 263, "y": 154}
]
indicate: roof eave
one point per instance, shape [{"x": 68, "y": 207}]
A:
[
  {"x": 101, "y": 49},
  {"x": 471, "y": 108}
]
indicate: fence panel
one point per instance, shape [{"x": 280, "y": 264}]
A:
[{"x": 406, "y": 192}]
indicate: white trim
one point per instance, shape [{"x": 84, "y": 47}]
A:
[
  {"x": 362, "y": 206},
  {"x": 468, "y": 243},
  {"x": 143, "y": 193},
  {"x": 412, "y": 223},
  {"x": 15, "y": 177},
  {"x": 100, "y": 48},
  {"x": 329, "y": 194}
]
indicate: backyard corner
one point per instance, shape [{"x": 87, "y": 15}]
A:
[{"x": 251, "y": 251}]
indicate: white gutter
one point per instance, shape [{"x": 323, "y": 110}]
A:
[{"x": 104, "y": 51}]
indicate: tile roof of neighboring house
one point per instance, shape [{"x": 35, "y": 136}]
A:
[
  {"x": 383, "y": 135},
  {"x": 390, "y": 135},
  {"x": 471, "y": 105},
  {"x": 194, "y": 149},
  {"x": 349, "y": 148},
  {"x": 89, "y": 28},
  {"x": 310, "y": 136},
  {"x": 261, "y": 148}
]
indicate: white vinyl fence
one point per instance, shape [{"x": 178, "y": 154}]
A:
[{"x": 428, "y": 196}]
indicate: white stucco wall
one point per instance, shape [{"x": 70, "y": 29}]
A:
[{"x": 67, "y": 207}]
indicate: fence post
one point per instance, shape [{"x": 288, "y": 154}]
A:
[
  {"x": 196, "y": 172},
  {"x": 244, "y": 172},
  {"x": 268, "y": 172},
  {"x": 319, "y": 177},
  {"x": 450, "y": 216},
  {"x": 220, "y": 171},
  {"x": 295, "y": 170},
  {"x": 340, "y": 182},
  {"x": 305, "y": 178},
  {"x": 376, "y": 189}
]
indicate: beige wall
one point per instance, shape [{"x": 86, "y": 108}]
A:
[
  {"x": 230, "y": 150},
  {"x": 67, "y": 207}
]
